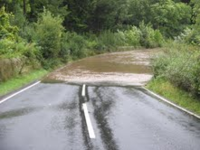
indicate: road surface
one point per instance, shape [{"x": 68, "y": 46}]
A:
[{"x": 52, "y": 117}]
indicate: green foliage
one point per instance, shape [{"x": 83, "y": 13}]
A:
[
  {"x": 144, "y": 36},
  {"x": 6, "y": 30},
  {"x": 76, "y": 44},
  {"x": 48, "y": 35},
  {"x": 159, "y": 64},
  {"x": 191, "y": 34},
  {"x": 21, "y": 80},
  {"x": 64, "y": 53},
  {"x": 7, "y": 48},
  {"x": 95, "y": 15},
  {"x": 178, "y": 96},
  {"x": 139, "y": 9},
  {"x": 56, "y": 7},
  {"x": 15, "y": 52},
  {"x": 107, "y": 40},
  {"x": 149, "y": 37},
  {"x": 196, "y": 11},
  {"x": 180, "y": 65},
  {"x": 170, "y": 17},
  {"x": 133, "y": 36}
]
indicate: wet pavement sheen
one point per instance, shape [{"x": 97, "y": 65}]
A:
[
  {"x": 50, "y": 116},
  {"x": 123, "y": 116}
]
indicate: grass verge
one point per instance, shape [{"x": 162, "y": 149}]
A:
[
  {"x": 182, "y": 98},
  {"x": 19, "y": 81}
]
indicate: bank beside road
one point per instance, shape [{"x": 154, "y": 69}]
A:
[
  {"x": 20, "y": 81},
  {"x": 127, "y": 68},
  {"x": 174, "y": 94}
]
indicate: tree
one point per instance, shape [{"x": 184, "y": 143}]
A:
[
  {"x": 108, "y": 14},
  {"x": 56, "y": 7},
  {"x": 171, "y": 17},
  {"x": 11, "y": 5},
  {"x": 195, "y": 37},
  {"x": 80, "y": 13},
  {"x": 196, "y": 11},
  {"x": 6, "y": 30},
  {"x": 95, "y": 15},
  {"x": 48, "y": 33}
]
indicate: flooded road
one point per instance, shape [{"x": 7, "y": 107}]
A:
[
  {"x": 132, "y": 67},
  {"x": 62, "y": 116},
  {"x": 50, "y": 117}
]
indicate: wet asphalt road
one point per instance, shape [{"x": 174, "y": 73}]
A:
[{"x": 50, "y": 117}]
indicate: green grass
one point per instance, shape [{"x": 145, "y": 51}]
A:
[
  {"x": 182, "y": 98},
  {"x": 19, "y": 81}
]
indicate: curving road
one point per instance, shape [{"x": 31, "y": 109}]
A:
[
  {"x": 51, "y": 117},
  {"x": 103, "y": 115}
]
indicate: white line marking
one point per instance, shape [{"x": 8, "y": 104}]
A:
[
  {"x": 83, "y": 90},
  {"x": 5, "y": 99},
  {"x": 167, "y": 101},
  {"x": 88, "y": 122}
]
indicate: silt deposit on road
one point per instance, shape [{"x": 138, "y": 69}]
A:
[{"x": 132, "y": 67}]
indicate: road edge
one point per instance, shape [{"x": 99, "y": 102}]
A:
[
  {"x": 170, "y": 103},
  {"x": 18, "y": 91}
]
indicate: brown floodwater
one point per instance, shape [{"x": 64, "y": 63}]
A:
[{"x": 130, "y": 67}]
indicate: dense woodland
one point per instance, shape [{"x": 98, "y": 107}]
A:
[{"x": 45, "y": 33}]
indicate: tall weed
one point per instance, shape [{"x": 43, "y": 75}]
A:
[{"x": 181, "y": 66}]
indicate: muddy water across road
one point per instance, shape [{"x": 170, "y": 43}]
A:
[{"x": 130, "y": 67}]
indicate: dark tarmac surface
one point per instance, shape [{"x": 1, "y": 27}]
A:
[{"x": 50, "y": 117}]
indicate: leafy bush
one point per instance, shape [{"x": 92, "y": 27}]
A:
[
  {"x": 48, "y": 34},
  {"x": 106, "y": 40},
  {"x": 150, "y": 38},
  {"x": 133, "y": 36},
  {"x": 181, "y": 66},
  {"x": 6, "y": 30},
  {"x": 7, "y": 48},
  {"x": 159, "y": 64},
  {"x": 64, "y": 53},
  {"x": 190, "y": 36},
  {"x": 171, "y": 17},
  {"x": 145, "y": 36},
  {"x": 76, "y": 44}
]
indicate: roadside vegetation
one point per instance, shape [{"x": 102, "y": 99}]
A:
[
  {"x": 43, "y": 34},
  {"x": 177, "y": 69},
  {"x": 20, "y": 81},
  {"x": 173, "y": 93}
]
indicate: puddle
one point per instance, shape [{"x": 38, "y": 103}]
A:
[{"x": 131, "y": 67}]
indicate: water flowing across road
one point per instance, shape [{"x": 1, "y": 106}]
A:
[
  {"x": 95, "y": 115},
  {"x": 132, "y": 67}
]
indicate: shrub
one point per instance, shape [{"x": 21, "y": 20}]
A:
[
  {"x": 6, "y": 30},
  {"x": 107, "y": 40},
  {"x": 64, "y": 53},
  {"x": 183, "y": 71},
  {"x": 181, "y": 66},
  {"x": 150, "y": 38},
  {"x": 190, "y": 36},
  {"x": 48, "y": 34},
  {"x": 121, "y": 38},
  {"x": 76, "y": 45},
  {"x": 9, "y": 67},
  {"x": 159, "y": 64},
  {"x": 171, "y": 17},
  {"x": 132, "y": 36},
  {"x": 7, "y": 48}
]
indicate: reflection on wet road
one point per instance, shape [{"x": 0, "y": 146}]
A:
[
  {"x": 50, "y": 117},
  {"x": 47, "y": 117}
]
